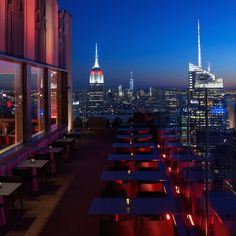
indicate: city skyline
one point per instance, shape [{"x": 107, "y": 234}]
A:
[{"x": 156, "y": 48}]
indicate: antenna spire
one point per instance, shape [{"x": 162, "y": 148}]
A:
[
  {"x": 96, "y": 65},
  {"x": 199, "y": 46}
]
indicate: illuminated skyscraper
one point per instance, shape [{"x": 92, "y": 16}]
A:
[
  {"x": 96, "y": 88},
  {"x": 131, "y": 82},
  {"x": 204, "y": 83}
]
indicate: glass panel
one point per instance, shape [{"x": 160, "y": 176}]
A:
[
  {"x": 11, "y": 105},
  {"x": 53, "y": 75},
  {"x": 38, "y": 100}
]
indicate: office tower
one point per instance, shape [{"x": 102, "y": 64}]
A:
[
  {"x": 120, "y": 91},
  {"x": 203, "y": 83},
  {"x": 96, "y": 88},
  {"x": 131, "y": 83},
  {"x": 35, "y": 72},
  {"x": 171, "y": 107}
]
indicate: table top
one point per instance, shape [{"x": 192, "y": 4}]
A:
[
  {"x": 8, "y": 188},
  {"x": 137, "y": 206},
  {"x": 133, "y": 145},
  {"x": 64, "y": 140},
  {"x": 133, "y": 129},
  {"x": 135, "y": 157},
  {"x": 124, "y": 136},
  {"x": 143, "y": 175},
  {"x": 47, "y": 150},
  {"x": 29, "y": 164}
]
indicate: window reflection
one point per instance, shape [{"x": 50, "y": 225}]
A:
[
  {"x": 11, "y": 104},
  {"x": 38, "y": 100},
  {"x": 53, "y": 75}
]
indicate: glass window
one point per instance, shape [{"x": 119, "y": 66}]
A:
[
  {"x": 11, "y": 105},
  {"x": 37, "y": 100},
  {"x": 53, "y": 75}
]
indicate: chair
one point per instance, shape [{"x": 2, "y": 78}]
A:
[
  {"x": 147, "y": 164},
  {"x": 118, "y": 168},
  {"x": 148, "y": 194},
  {"x": 155, "y": 226},
  {"x": 113, "y": 193},
  {"x": 117, "y": 226},
  {"x": 119, "y": 186},
  {"x": 150, "y": 187},
  {"x": 148, "y": 169}
]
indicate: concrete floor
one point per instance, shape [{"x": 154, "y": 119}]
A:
[{"x": 62, "y": 208}]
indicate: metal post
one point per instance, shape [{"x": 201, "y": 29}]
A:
[
  {"x": 188, "y": 151},
  {"x": 206, "y": 158}
]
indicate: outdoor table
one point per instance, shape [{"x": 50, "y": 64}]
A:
[
  {"x": 130, "y": 130},
  {"x": 109, "y": 206},
  {"x": 74, "y": 134},
  {"x": 38, "y": 164},
  {"x": 134, "y": 145},
  {"x": 135, "y": 206},
  {"x": 5, "y": 191},
  {"x": 66, "y": 142},
  {"x": 152, "y": 206},
  {"x": 52, "y": 153},
  {"x": 134, "y": 157},
  {"x": 143, "y": 175},
  {"x": 134, "y": 136}
]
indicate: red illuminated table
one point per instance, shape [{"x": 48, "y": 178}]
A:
[{"x": 135, "y": 157}]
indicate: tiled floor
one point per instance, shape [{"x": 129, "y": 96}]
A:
[{"x": 62, "y": 208}]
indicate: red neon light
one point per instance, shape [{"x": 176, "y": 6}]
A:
[
  {"x": 190, "y": 219},
  {"x": 177, "y": 189},
  {"x": 168, "y": 216},
  {"x": 9, "y": 104},
  {"x": 117, "y": 217}
]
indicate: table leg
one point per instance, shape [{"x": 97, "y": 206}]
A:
[
  {"x": 2, "y": 213},
  {"x": 52, "y": 162},
  {"x": 35, "y": 187}
]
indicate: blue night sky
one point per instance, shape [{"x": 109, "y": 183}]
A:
[{"x": 155, "y": 39}]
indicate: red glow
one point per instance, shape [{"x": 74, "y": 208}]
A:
[
  {"x": 177, "y": 189},
  {"x": 119, "y": 181},
  {"x": 164, "y": 155},
  {"x": 168, "y": 216},
  {"x": 218, "y": 218},
  {"x": 117, "y": 217},
  {"x": 9, "y": 104},
  {"x": 189, "y": 217}
]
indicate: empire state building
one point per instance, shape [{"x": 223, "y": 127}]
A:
[{"x": 96, "y": 88}]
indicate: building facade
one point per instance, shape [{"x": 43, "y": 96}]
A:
[
  {"x": 206, "y": 104},
  {"x": 35, "y": 74},
  {"x": 96, "y": 89}
]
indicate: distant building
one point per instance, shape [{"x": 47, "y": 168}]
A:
[
  {"x": 120, "y": 91},
  {"x": 204, "y": 83},
  {"x": 96, "y": 88},
  {"x": 131, "y": 83}
]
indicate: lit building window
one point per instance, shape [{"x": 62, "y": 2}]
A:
[
  {"x": 55, "y": 97},
  {"x": 37, "y": 100},
  {"x": 11, "y": 105}
]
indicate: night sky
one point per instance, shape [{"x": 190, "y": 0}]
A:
[{"x": 155, "y": 39}]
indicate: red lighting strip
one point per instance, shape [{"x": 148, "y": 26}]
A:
[
  {"x": 168, "y": 216},
  {"x": 190, "y": 219}
]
